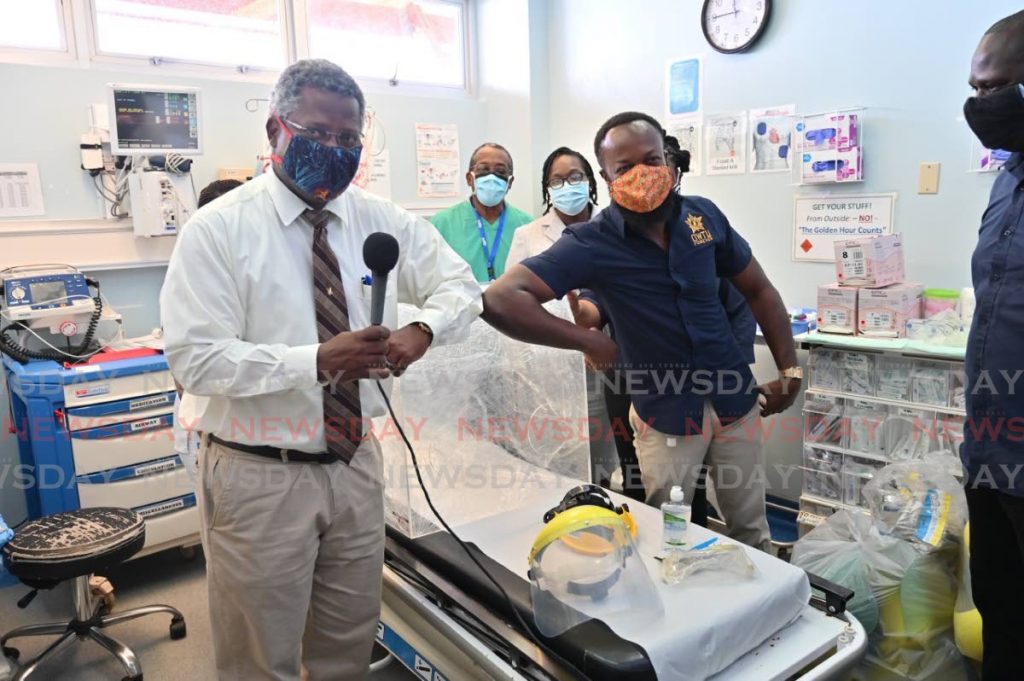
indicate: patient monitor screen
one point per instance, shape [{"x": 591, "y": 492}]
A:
[
  {"x": 45, "y": 292},
  {"x": 149, "y": 120}
]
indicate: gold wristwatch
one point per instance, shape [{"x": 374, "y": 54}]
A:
[{"x": 792, "y": 372}]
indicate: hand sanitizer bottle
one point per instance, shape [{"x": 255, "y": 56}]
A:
[{"x": 675, "y": 516}]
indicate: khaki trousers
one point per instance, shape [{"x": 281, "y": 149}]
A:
[
  {"x": 294, "y": 557},
  {"x": 735, "y": 459}
]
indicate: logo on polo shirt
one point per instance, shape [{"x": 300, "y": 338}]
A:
[{"x": 699, "y": 234}]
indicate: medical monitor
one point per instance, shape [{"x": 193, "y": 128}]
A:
[{"x": 155, "y": 119}]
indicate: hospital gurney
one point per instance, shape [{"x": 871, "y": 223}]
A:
[
  {"x": 497, "y": 440},
  {"x": 443, "y": 619}
]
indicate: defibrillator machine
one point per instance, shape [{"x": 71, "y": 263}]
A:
[{"x": 48, "y": 299}]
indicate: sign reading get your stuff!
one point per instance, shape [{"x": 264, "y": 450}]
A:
[{"x": 818, "y": 221}]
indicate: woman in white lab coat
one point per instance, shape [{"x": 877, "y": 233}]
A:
[{"x": 569, "y": 189}]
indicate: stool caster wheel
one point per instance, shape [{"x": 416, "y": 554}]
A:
[
  {"x": 188, "y": 553},
  {"x": 132, "y": 678},
  {"x": 12, "y": 653},
  {"x": 178, "y": 629}
]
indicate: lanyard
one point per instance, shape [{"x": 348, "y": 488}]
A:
[{"x": 492, "y": 252}]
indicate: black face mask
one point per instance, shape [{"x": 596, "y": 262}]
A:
[
  {"x": 668, "y": 209},
  {"x": 998, "y": 119}
]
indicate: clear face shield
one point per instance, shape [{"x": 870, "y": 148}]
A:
[{"x": 584, "y": 565}]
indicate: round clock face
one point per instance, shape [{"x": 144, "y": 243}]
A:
[{"x": 734, "y": 25}]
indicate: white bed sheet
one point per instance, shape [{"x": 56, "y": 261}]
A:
[{"x": 704, "y": 629}]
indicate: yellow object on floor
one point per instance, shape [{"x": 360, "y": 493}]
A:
[{"x": 966, "y": 618}]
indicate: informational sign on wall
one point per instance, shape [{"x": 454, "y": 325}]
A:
[
  {"x": 725, "y": 144},
  {"x": 684, "y": 88},
  {"x": 374, "y": 174},
  {"x": 687, "y": 132},
  {"x": 21, "y": 194},
  {"x": 438, "y": 172},
  {"x": 819, "y": 221},
  {"x": 771, "y": 132}
]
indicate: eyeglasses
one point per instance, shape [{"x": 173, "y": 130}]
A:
[
  {"x": 346, "y": 139},
  {"x": 574, "y": 179},
  {"x": 480, "y": 171}
]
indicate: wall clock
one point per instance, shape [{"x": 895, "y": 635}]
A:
[{"x": 732, "y": 26}]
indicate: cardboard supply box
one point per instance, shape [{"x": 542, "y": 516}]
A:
[
  {"x": 837, "y": 309},
  {"x": 884, "y": 312},
  {"x": 872, "y": 262},
  {"x": 834, "y": 132}
]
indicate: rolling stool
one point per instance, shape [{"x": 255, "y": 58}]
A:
[{"x": 74, "y": 545}]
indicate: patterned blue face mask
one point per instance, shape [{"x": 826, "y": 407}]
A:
[{"x": 317, "y": 172}]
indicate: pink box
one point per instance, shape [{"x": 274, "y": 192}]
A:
[
  {"x": 837, "y": 309},
  {"x": 849, "y": 167},
  {"x": 871, "y": 261},
  {"x": 884, "y": 311},
  {"x": 836, "y": 132}
]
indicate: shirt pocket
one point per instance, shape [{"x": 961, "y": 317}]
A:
[
  {"x": 695, "y": 273},
  {"x": 359, "y": 313}
]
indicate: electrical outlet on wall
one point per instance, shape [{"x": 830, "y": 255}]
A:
[{"x": 928, "y": 178}]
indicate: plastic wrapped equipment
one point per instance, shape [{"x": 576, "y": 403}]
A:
[
  {"x": 495, "y": 423},
  {"x": 714, "y": 561},
  {"x": 902, "y": 561}
]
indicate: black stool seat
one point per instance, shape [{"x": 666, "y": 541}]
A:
[
  {"x": 72, "y": 546},
  {"x": 67, "y": 545}
]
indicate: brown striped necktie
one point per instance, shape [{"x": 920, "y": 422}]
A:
[{"x": 342, "y": 413}]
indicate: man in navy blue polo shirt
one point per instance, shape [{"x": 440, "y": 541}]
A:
[
  {"x": 993, "y": 449},
  {"x": 654, "y": 259}
]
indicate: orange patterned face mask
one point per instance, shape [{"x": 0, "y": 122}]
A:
[{"x": 643, "y": 188}]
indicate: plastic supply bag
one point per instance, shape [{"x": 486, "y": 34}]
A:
[
  {"x": 902, "y": 561},
  {"x": 849, "y": 550},
  {"x": 919, "y": 501},
  {"x": 713, "y": 562}
]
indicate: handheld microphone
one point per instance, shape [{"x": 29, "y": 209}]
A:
[{"x": 380, "y": 253}]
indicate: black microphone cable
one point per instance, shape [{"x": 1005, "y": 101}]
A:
[
  {"x": 380, "y": 254},
  {"x": 465, "y": 547}
]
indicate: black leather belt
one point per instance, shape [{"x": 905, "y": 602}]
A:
[{"x": 285, "y": 455}]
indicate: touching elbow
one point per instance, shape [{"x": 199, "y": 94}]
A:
[
  {"x": 497, "y": 302},
  {"x": 492, "y": 307}
]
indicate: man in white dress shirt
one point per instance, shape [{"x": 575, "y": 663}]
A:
[{"x": 266, "y": 313}]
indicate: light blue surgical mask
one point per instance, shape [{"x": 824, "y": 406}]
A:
[
  {"x": 490, "y": 189},
  {"x": 571, "y": 199}
]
